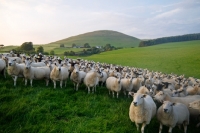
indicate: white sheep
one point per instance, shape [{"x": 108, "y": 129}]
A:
[
  {"x": 172, "y": 114},
  {"x": 59, "y": 73},
  {"x": 15, "y": 70},
  {"x": 91, "y": 80},
  {"x": 126, "y": 84},
  {"x": 141, "y": 110},
  {"x": 137, "y": 83},
  {"x": 3, "y": 67},
  {"x": 144, "y": 90},
  {"x": 36, "y": 73},
  {"x": 17, "y": 59},
  {"x": 162, "y": 96},
  {"x": 113, "y": 84},
  {"x": 77, "y": 77}
]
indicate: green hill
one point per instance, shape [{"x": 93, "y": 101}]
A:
[{"x": 100, "y": 38}]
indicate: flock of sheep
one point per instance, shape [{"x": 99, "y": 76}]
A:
[{"x": 179, "y": 96}]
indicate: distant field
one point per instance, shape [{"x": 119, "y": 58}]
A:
[{"x": 178, "y": 58}]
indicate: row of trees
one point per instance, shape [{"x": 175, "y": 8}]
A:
[
  {"x": 86, "y": 45},
  {"x": 90, "y": 51},
  {"x": 187, "y": 37}
]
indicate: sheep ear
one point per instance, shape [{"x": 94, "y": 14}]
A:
[
  {"x": 173, "y": 104},
  {"x": 55, "y": 64},
  {"x": 131, "y": 93},
  {"x": 143, "y": 96}
]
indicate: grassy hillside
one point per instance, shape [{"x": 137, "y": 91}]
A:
[
  {"x": 179, "y": 58},
  {"x": 100, "y": 38}
]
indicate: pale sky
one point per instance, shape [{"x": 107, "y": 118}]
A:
[{"x": 45, "y": 21}]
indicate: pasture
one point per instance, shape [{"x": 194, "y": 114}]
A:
[
  {"x": 44, "y": 109},
  {"x": 178, "y": 58}
]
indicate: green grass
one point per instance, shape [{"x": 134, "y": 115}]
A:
[
  {"x": 44, "y": 109},
  {"x": 179, "y": 58}
]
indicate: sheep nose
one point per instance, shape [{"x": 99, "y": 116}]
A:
[
  {"x": 9, "y": 64},
  {"x": 165, "y": 110},
  {"x": 135, "y": 103}
]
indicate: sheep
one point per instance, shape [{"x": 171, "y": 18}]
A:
[
  {"x": 3, "y": 67},
  {"x": 15, "y": 70},
  {"x": 91, "y": 80},
  {"x": 113, "y": 84},
  {"x": 137, "y": 83},
  {"x": 36, "y": 73},
  {"x": 195, "y": 105},
  {"x": 103, "y": 77},
  {"x": 36, "y": 64},
  {"x": 59, "y": 73},
  {"x": 142, "y": 109},
  {"x": 18, "y": 59},
  {"x": 172, "y": 114},
  {"x": 77, "y": 77},
  {"x": 143, "y": 90},
  {"x": 162, "y": 96},
  {"x": 190, "y": 90},
  {"x": 127, "y": 85}
]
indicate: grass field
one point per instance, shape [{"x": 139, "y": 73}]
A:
[
  {"x": 44, "y": 109},
  {"x": 179, "y": 58}
]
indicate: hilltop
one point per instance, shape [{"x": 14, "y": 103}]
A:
[{"x": 100, "y": 38}]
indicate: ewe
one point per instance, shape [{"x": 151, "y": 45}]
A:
[
  {"x": 36, "y": 73},
  {"x": 59, "y": 73},
  {"x": 113, "y": 84},
  {"x": 172, "y": 114},
  {"x": 15, "y": 70},
  {"x": 142, "y": 109}
]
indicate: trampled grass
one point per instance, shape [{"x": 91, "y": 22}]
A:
[{"x": 179, "y": 58}]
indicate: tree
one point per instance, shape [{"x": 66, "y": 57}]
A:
[
  {"x": 86, "y": 45},
  {"x": 52, "y": 52},
  {"x": 27, "y": 46},
  {"x": 40, "y": 49},
  {"x": 73, "y": 45},
  {"x": 62, "y": 45}
]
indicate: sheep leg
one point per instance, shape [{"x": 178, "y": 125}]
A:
[
  {"x": 88, "y": 90},
  {"x": 185, "y": 127},
  {"x": 15, "y": 80},
  {"x": 137, "y": 125},
  {"x": 31, "y": 82},
  {"x": 170, "y": 130},
  {"x": 74, "y": 86},
  {"x": 160, "y": 129},
  {"x": 25, "y": 82},
  {"x": 143, "y": 126},
  {"x": 117, "y": 94},
  {"x": 61, "y": 83},
  {"x": 54, "y": 82},
  {"x": 47, "y": 82},
  {"x": 77, "y": 86},
  {"x": 113, "y": 94}
]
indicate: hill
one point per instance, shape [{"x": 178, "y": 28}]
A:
[{"x": 100, "y": 38}]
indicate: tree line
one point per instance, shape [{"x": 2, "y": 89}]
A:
[
  {"x": 27, "y": 47},
  {"x": 188, "y": 37},
  {"x": 91, "y": 50}
]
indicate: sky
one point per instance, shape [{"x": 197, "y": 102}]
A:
[{"x": 45, "y": 21}]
